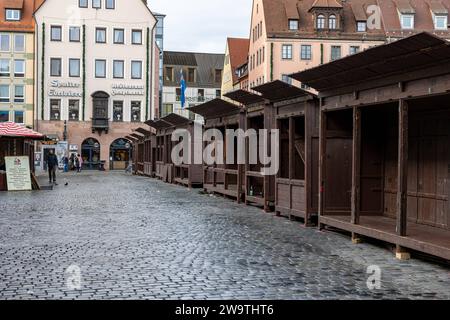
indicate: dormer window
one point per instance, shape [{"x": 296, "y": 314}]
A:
[
  {"x": 440, "y": 22},
  {"x": 332, "y": 22},
  {"x": 320, "y": 21},
  {"x": 293, "y": 24},
  {"x": 13, "y": 15},
  {"x": 361, "y": 26},
  {"x": 407, "y": 21}
]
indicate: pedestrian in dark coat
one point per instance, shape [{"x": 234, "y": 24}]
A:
[{"x": 52, "y": 164}]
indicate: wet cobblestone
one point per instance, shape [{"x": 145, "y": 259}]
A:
[{"x": 138, "y": 238}]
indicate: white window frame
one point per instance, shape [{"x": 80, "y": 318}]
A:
[
  {"x": 322, "y": 19},
  {"x": 142, "y": 36},
  {"x": 20, "y": 74},
  {"x": 61, "y": 33},
  {"x": 79, "y": 33},
  {"x": 140, "y": 72},
  {"x": 6, "y": 99},
  {"x": 24, "y": 42},
  {"x": 17, "y": 15},
  {"x": 50, "y": 65},
  {"x": 293, "y": 24},
  {"x": 436, "y": 17},
  {"x": 359, "y": 24},
  {"x": 86, "y": 6},
  {"x": 105, "y": 29},
  {"x": 310, "y": 52},
  {"x": 123, "y": 68},
  {"x": 95, "y": 68},
  {"x": 22, "y": 99},
  {"x": 402, "y": 21},
  {"x": 79, "y": 68},
  {"x": 332, "y": 22},
  {"x": 288, "y": 56},
  {"x": 99, "y": 4},
  {"x": 9, "y": 41},
  {"x": 9, "y": 68},
  {"x": 23, "y": 116},
  {"x": 114, "y": 35},
  {"x": 113, "y": 5}
]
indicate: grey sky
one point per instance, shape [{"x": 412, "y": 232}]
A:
[{"x": 203, "y": 25}]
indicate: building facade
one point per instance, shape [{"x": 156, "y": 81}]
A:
[
  {"x": 236, "y": 53},
  {"x": 97, "y": 75},
  {"x": 17, "y": 61},
  {"x": 287, "y": 36},
  {"x": 202, "y": 73},
  {"x": 159, "y": 36}
]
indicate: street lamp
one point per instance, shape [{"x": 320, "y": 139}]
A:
[{"x": 65, "y": 131}]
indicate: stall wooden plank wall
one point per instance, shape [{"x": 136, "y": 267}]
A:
[
  {"x": 225, "y": 179},
  {"x": 384, "y": 137}
]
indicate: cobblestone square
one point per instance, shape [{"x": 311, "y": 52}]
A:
[{"x": 138, "y": 238}]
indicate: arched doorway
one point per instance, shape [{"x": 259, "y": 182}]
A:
[
  {"x": 120, "y": 153},
  {"x": 90, "y": 152}
]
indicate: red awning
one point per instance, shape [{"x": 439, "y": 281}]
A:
[{"x": 14, "y": 130}]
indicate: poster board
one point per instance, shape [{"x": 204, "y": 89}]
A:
[{"x": 18, "y": 175}]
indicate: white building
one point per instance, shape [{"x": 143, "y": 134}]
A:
[
  {"x": 202, "y": 73},
  {"x": 96, "y": 70}
]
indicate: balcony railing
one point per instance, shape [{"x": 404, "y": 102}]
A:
[{"x": 100, "y": 124}]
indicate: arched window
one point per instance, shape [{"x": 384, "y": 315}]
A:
[
  {"x": 332, "y": 25},
  {"x": 320, "y": 21}
]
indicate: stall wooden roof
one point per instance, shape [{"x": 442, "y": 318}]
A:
[
  {"x": 413, "y": 53},
  {"x": 278, "y": 90},
  {"x": 158, "y": 124},
  {"x": 137, "y": 136},
  {"x": 132, "y": 139},
  {"x": 244, "y": 97},
  {"x": 143, "y": 131},
  {"x": 215, "y": 108},
  {"x": 175, "y": 119}
]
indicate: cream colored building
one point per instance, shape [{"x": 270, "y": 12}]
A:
[
  {"x": 236, "y": 53},
  {"x": 97, "y": 75}
]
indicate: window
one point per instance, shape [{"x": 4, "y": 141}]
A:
[
  {"x": 19, "y": 68},
  {"x": 55, "y": 109},
  {"x": 440, "y": 22},
  {"x": 335, "y": 52},
  {"x": 4, "y": 116},
  {"x": 135, "y": 111},
  {"x": 18, "y": 117},
  {"x": 201, "y": 95},
  {"x": 4, "y": 68},
  {"x": 191, "y": 75},
  {"x": 117, "y": 111},
  {"x": 5, "y": 40},
  {"x": 119, "y": 36},
  {"x": 178, "y": 94},
  {"x": 19, "y": 93},
  {"x": 407, "y": 21},
  {"x": 19, "y": 43},
  {"x": 306, "y": 52},
  {"x": 55, "y": 67},
  {"x": 136, "y": 37},
  {"x": 332, "y": 22},
  {"x": 83, "y": 3},
  {"x": 286, "y": 53},
  {"x": 169, "y": 74},
  {"x": 100, "y": 35},
  {"x": 74, "y": 34},
  {"x": 218, "y": 93},
  {"x": 100, "y": 68},
  {"x": 74, "y": 67},
  {"x": 361, "y": 26},
  {"x": 96, "y": 4},
  {"x": 285, "y": 78},
  {"x": 4, "y": 93},
  {"x": 110, "y": 4},
  {"x": 293, "y": 24},
  {"x": 167, "y": 109},
  {"x": 118, "y": 69},
  {"x": 218, "y": 76},
  {"x": 12, "y": 15},
  {"x": 320, "y": 21},
  {"x": 74, "y": 110},
  {"x": 354, "y": 49},
  {"x": 56, "y": 33},
  {"x": 136, "y": 69}
]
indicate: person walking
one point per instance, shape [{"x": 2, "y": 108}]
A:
[
  {"x": 66, "y": 163},
  {"x": 52, "y": 164},
  {"x": 79, "y": 162}
]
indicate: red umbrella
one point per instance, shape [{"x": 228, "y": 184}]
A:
[{"x": 14, "y": 130}]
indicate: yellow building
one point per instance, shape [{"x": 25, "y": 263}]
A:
[
  {"x": 17, "y": 60},
  {"x": 236, "y": 54}
]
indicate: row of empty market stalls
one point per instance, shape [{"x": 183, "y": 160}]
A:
[
  {"x": 384, "y": 159},
  {"x": 367, "y": 155}
]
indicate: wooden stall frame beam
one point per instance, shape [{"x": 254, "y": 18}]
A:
[{"x": 402, "y": 191}]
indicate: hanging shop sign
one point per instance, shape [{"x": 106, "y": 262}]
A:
[
  {"x": 63, "y": 89},
  {"x": 18, "y": 173},
  {"x": 127, "y": 90}
]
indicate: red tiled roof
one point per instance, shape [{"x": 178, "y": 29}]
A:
[
  {"x": 238, "y": 49},
  {"x": 26, "y": 24}
]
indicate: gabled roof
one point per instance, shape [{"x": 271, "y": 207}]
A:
[
  {"x": 245, "y": 97},
  {"x": 417, "y": 52},
  {"x": 278, "y": 90},
  {"x": 215, "y": 108},
  {"x": 26, "y": 24},
  {"x": 238, "y": 50},
  {"x": 326, "y": 4},
  {"x": 175, "y": 119}
]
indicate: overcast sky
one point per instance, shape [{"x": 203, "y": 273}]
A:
[{"x": 203, "y": 25}]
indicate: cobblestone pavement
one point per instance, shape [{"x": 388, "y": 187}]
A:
[{"x": 135, "y": 237}]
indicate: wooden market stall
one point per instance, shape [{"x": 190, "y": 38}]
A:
[
  {"x": 296, "y": 113},
  {"x": 384, "y": 144},
  {"x": 16, "y": 140},
  {"x": 259, "y": 188},
  {"x": 148, "y": 145},
  {"x": 223, "y": 177},
  {"x": 162, "y": 159},
  {"x": 138, "y": 153}
]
